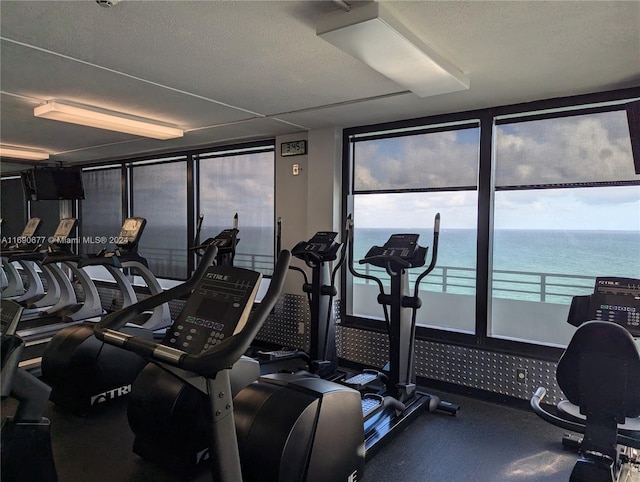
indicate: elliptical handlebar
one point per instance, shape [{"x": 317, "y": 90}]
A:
[
  {"x": 118, "y": 319},
  {"x": 434, "y": 253},
  {"x": 214, "y": 359},
  {"x": 348, "y": 229},
  {"x": 196, "y": 239},
  {"x": 389, "y": 263}
]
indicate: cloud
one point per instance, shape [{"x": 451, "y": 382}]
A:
[
  {"x": 576, "y": 149},
  {"x": 586, "y": 148},
  {"x": 440, "y": 159}
]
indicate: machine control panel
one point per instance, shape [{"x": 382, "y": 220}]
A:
[
  {"x": 227, "y": 238},
  {"x": 404, "y": 246},
  {"x": 131, "y": 232},
  {"x": 401, "y": 245},
  {"x": 323, "y": 244},
  {"x": 64, "y": 229},
  {"x": 218, "y": 308},
  {"x": 617, "y": 300},
  {"x": 31, "y": 228},
  {"x": 10, "y": 313}
]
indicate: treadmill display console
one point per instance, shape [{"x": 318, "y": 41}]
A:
[
  {"x": 131, "y": 232},
  {"x": 617, "y": 300},
  {"x": 31, "y": 228},
  {"x": 63, "y": 231},
  {"x": 10, "y": 313},
  {"x": 218, "y": 308}
]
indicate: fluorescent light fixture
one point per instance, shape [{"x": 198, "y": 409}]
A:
[
  {"x": 15, "y": 152},
  {"x": 372, "y": 34},
  {"x": 104, "y": 119}
]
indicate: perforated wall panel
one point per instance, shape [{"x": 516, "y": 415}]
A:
[
  {"x": 289, "y": 323},
  {"x": 494, "y": 372}
]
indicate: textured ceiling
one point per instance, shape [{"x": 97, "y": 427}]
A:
[{"x": 229, "y": 71}]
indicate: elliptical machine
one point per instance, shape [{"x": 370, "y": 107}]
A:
[
  {"x": 599, "y": 373},
  {"x": 226, "y": 242},
  {"x": 322, "y": 359},
  {"x": 287, "y": 426},
  {"x": 163, "y": 410},
  {"x": 390, "y": 396}
]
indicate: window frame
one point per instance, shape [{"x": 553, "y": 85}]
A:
[
  {"x": 489, "y": 119},
  {"x": 192, "y": 178}
]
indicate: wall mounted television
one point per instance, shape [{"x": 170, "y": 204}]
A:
[{"x": 45, "y": 184}]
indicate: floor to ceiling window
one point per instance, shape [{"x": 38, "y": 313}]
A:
[
  {"x": 240, "y": 181},
  {"x": 401, "y": 179},
  {"x": 537, "y": 201},
  {"x": 565, "y": 212}
]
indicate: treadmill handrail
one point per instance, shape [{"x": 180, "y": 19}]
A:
[
  {"x": 115, "y": 258},
  {"x": 118, "y": 319},
  {"x": 216, "y": 358},
  {"x": 349, "y": 228}
]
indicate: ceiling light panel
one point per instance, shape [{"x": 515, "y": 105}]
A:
[
  {"x": 372, "y": 34},
  {"x": 15, "y": 152},
  {"x": 104, "y": 119}
]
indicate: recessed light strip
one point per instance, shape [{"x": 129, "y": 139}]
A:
[
  {"x": 104, "y": 119},
  {"x": 14, "y": 152}
]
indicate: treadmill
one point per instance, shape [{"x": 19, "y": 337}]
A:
[{"x": 27, "y": 242}]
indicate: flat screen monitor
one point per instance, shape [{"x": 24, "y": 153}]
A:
[{"x": 53, "y": 184}]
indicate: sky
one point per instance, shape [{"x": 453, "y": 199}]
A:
[{"x": 583, "y": 148}]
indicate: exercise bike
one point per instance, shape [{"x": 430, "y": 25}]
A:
[{"x": 599, "y": 374}]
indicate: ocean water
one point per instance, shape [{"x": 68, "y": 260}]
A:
[
  {"x": 582, "y": 253},
  {"x": 575, "y": 253},
  {"x": 165, "y": 247}
]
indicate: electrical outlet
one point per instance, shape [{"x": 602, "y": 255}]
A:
[{"x": 521, "y": 375}]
